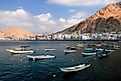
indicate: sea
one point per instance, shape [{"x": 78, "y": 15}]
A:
[{"x": 17, "y": 67}]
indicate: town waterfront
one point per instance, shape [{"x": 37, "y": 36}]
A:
[{"x": 19, "y": 67}]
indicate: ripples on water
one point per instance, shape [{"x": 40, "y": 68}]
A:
[{"x": 18, "y": 67}]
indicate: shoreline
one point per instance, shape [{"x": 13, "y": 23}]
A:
[{"x": 64, "y": 40}]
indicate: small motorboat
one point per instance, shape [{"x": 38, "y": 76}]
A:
[
  {"x": 50, "y": 49},
  {"x": 88, "y": 52},
  {"x": 116, "y": 47},
  {"x": 75, "y": 68},
  {"x": 69, "y": 51},
  {"x": 109, "y": 48},
  {"x": 20, "y": 50},
  {"x": 99, "y": 48},
  {"x": 102, "y": 54},
  {"x": 37, "y": 57}
]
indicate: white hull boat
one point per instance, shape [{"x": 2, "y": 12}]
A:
[
  {"x": 40, "y": 57},
  {"x": 88, "y": 54},
  {"x": 50, "y": 49},
  {"x": 75, "y": 68},
  {"x": 116, "y": 47},
  {"x": 109, "y": 50},
  {"x": 20, "y": 51},
  {"x": 69, "y": 51},
  {"x": 99, "y": 49}
]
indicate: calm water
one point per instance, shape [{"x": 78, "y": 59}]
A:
[{"x": 12, "y": 68}]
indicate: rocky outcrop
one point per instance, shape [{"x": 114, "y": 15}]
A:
[{"x": 14, "y": 33}]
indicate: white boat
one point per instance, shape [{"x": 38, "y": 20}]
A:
[
  {"x": 50, "y": 49},
  {"x": 109, "y": 50},
  {"x": 102, "y": 54},
  {"x": 21, "y": 50},
  {"x": 116, "y": 47},
  {"x": 40, "y": 57},
  {"x": 75, "y": 68},
  {"x": 69, "y": 51},
  {"x": 88, "y": 52},
  {"x": 99, "y": 49}
]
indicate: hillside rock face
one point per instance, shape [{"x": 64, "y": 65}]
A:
[
  {"x": 108, "y": 19},
  {"x": 14, "y": 33}
]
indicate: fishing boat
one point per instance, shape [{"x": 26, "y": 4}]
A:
[
  {"x": 102, "y": 54},
  {"x": 20, "y": 50},
  {"x": 116, "y": 47},
  {"x": 69, "y": 51},
  {"x": 99, "y": 49},
  {"x": 50, "y": 49},
  {"x": 109, "y": 48},
  {"x": 88, "y": 52},
  {"x": 37, "y": 57},
  {"x": 75, "y": 68}
]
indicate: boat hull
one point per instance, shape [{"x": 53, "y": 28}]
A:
[
  {"x": 88, "y": 54},
  {"x": 40, "y": 57},
  {"x": 69, "y": 51},
  {"x": 19, "y": 52},
  {"x": 109, "y": 50},
  {"x": 50, "y": 49},
  {"x": 75, "y": 68},
  {"x": 99, "y": 49}
]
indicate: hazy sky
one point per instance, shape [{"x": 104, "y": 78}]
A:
[{"x": 47, "y": 16}]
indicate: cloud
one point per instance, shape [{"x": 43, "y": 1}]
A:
[
  {"x": 72, "y": 10},
  {"x": 62, "y": 20},
  {"x": 44, "y": 22},
  {"x": 80, "y": 2},
  {"x": 41, "y": 23},
  {"x": 70, "y": 21},
  {"x": 18, "y": 18},
  {"x": 78, "y": 15}
]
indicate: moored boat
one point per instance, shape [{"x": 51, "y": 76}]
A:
[
  {"x": 102, "y": 54},
  {"x": 116, "y": 47},
  {"x": 88, "y": 52},
  {"x": 109, "y": 48},
  {"x": 99, "y": 48},
  {"x": 50, "y": 49},
  {"x": 37, "y": 57},
  {"x": 75, "y": 68},
  {"x": 21, "y": 50},
  {"x": 69, "y": 51}
]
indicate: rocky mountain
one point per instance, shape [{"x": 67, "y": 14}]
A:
[
  {"x": 14, "y": 33},
  {"x": 107, "y": 19}
]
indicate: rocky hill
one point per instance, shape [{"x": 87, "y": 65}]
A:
[
  {"x": 107, "y": 19},
  {"x": 14, "y": 33}
]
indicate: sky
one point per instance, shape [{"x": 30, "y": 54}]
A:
[{"x": 47, "y": 16}]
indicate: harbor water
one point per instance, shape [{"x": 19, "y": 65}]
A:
[{"x": 17, "y": 67}]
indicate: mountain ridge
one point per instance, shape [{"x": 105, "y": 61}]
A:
[
  {"x": 107, "y": 19},
  {"x": 14, "y": 33}
]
